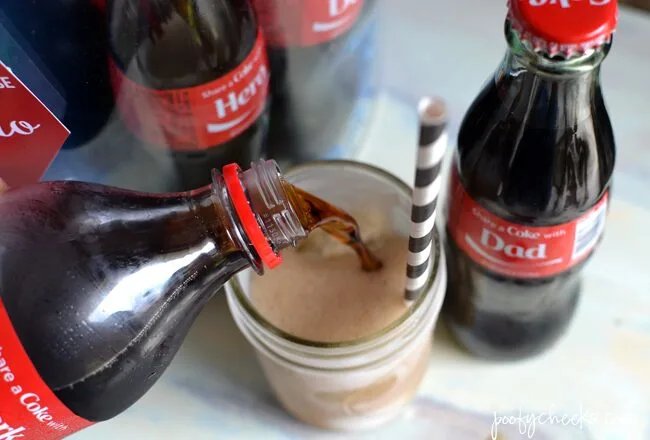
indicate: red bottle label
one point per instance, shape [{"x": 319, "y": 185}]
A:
[
  {"x": 196, "y": 118},
  {"x": 518, "y": 250},
  {"x": 289, "y": 23},
  {"x": 28, "y": 408},
  {"x": 30, "y": 135}
]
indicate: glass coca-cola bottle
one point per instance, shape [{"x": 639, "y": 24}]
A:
[
  {"x": 99, "y": 286},
  {"x": 319, "y": 67},
  {"x": 530, "y": 181},
  {"x": 191, "y": 81}
]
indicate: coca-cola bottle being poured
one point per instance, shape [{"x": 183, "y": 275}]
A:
[
  {"x": 191, "y": 79},
  {"x": 99, "y": 286},
  {"x": 530, "y": 181}
]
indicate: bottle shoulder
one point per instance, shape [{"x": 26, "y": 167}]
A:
[{"x": 538, "y": 161}]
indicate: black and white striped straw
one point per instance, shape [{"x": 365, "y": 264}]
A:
[{"x": 431, "y": 151}]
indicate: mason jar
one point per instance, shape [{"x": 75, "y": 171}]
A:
[{"x": 355, "y": 384}]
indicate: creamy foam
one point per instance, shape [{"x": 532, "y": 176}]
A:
[{"x": 320, "y": 293}]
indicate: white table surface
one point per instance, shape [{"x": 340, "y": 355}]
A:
[{"x": 600, "y": 370}]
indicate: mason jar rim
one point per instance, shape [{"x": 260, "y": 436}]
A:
[{"x": 427, "y": 290}]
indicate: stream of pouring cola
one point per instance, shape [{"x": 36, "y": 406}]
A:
[{"x": 317, "y": 213}]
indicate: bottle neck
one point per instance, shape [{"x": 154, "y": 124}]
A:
[
  {"x": 264, "y": 201},
  {"x": 565, "y": 88},
  {"x": 587, "y": 62}
]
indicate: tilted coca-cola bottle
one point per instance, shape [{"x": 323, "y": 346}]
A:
[
  {"x": 530, "y": 181},
  {"x": 316, "y": 55},
  {"x": 99, "y": 286},
  {"x": 191, "y": 79}
]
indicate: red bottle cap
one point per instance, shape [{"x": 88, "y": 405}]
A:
[
  {"x": 247, "y": 218},
  {"x": 564, "y": 27}
]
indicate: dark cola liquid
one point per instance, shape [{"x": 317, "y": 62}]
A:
[
  {"x": 176, "y": 44},
  {"x": 535, "y": 150},
  {"x": 103, "y": 305},
  {"x": 317, "y": 213}
]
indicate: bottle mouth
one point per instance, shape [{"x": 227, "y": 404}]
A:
[
  {"x": 247, "y": 217},
  {"x": 264, "y": 209},
  {"x": 556, "y": 51},
  {"x": 543, "y": 61},
  {"x": 563, "y": 29}
]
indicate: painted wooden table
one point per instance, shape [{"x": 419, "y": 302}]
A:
[{"x": 595, "y": 384}]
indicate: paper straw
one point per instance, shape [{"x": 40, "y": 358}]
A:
[{"x": 431, "y": 151}]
